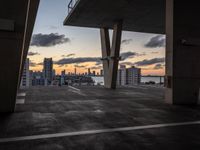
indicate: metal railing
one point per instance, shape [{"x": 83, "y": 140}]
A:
[{"x": 71, "y": 5}]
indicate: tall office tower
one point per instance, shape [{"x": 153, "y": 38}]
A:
[
  {"x": 94, "y": 73},
  {"x": 63, "y": 73},
  {"x": 101, "y": 72},
  {"x": 133, "y": 75},
  {"x": 119, "y": 77},
  {"x": 48, "y": 70},
  {"x": 30, "y": 77},
  {"x": 62, "y": 78},
  {"x": 75, "y": 71},
  {"x": 122, "y": 75},
  {"x": 54, "y": 73},
  {"x": 89, "y": 72},
  {"x": 25, "y": 79}
]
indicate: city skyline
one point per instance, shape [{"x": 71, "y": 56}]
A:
[{"x": 72, "y": 47}]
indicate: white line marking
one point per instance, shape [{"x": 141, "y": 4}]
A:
[
  {"x": 73, "y": 88},
  {"x": 77, "y": 92},
  {"x": 20, "y": 101},
  {"x": 89, "y": 132},
  {"x": 21, "y": 94}
]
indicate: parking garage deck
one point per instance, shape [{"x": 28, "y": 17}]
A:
[{"x": 94, "y": 118}]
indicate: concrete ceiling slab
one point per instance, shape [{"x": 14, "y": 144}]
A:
[{"x": 138, "y": 15}]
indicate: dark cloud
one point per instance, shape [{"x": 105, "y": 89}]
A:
[
  {"x": 40, "y": 64},
  {"x": 80, "y": 66},
  {"x": 96, "y": 67},
  {"x": 126, "y": 41},
  {"x": 129, "y": 54},
  {"x": 127, "y": 63},
  {"x": 33, "y": 53},
  {"x": 69, "y": 55},
  {"x": 97, "y": 60},
  {"x": 147, "y": 62},
  {"x": 65, "y": 61},
  {"x": 158, "y": 66},
  {"x": 47, "y": 40},
  {"x": 156, "y": 41},
  {"x": 32, "y": 64}
]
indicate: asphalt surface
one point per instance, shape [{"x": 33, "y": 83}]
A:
[{"x": 66, "y": 110}]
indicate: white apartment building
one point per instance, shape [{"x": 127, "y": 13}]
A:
[
  {"x": 133, "y": 76},
  {"x": 128, "y": 76},
  {"x": 121, "y": 76}
]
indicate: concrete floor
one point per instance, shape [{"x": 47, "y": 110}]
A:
[{"x": 57, "y": 110}]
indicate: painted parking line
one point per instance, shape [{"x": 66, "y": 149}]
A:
[
  {"x": 74, "y": 88},
  {"x": 21, "y": 94},
  {"x": 20, "y": 101},
  {"x": 90, "y": 132},
  {"x": 77, "y": 92}
]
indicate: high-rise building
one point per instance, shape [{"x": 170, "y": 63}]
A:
[
  {"x": 122, "y": 75},
  {"x": 128, "y": 76},
  {"x": 75, "y": 71},
  {"x": 48, "y": 70},
  {"x": 63, "y": 73},
  {"x": 133, "y": 75},
  {"x": 89, "y": 72},
  {"x": 37, "y": 78},
  {"x": 25, "y": 79},
  {"x": 94, "y": 73},
  {"x": 54, "y": 73},
  {"x": 101, "y": 72}
]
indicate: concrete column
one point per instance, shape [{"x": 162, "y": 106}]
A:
[
  {"x": 111, "y": 54},
  {"x": 13, "y": 44},
  {"x": 30, "y": 22},
  {"x": 105, "y": 48},
  {"x": 182, "y": 51}
]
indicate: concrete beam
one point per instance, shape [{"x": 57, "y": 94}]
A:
[
  {"x": 182, "y": 52},
  {"x": 30, "y": 22},
  {"x": 111, "y": 54}
]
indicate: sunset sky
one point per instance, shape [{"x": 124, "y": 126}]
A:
[{"x": 72, "y": 47}]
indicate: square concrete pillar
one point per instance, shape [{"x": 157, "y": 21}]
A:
[
  {"x": 16, "y": 25},
  {"x": 182, "y": 51}
]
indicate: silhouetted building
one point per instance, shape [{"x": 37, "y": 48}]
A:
[
  {"x": 54, "y": 73},
  {"x": 63, "y": 73},
  {"x": 94, "y": 73},
  {"x": 75, "y": 71},
  {"x": 101, "y": 72},
  {"x": 89, "y": 72},
  {"x": 37, "y": 78},
  {"x": 48, "y": 70}
]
